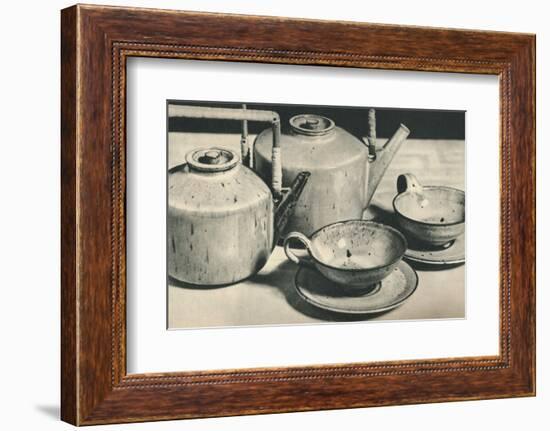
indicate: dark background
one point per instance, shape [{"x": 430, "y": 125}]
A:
[{"x": 423, "y": 123}]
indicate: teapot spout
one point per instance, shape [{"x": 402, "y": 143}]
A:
[
  {"x": 383, "y": 158},
  {"x": 286, "y": 205}
]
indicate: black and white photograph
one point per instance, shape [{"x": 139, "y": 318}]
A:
[{"x": 300, "y": 214}]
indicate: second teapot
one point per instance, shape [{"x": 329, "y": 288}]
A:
[{"x": 344, "y": 173}]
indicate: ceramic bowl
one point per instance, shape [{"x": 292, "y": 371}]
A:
[
  {"x": 356, "y": 254},
  {"x": 432, "y": 215}
]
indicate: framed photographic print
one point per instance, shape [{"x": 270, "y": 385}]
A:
[
  {"x": 316, "y": 215},
  {"x": 333, "y": 180}
]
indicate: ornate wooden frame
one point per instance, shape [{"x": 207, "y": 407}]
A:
[{"x": 95, "y": 42}]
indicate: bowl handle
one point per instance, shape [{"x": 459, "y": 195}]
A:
[
  {"x": 408, "y": 183},
  {"x": 290, "y": 254}
]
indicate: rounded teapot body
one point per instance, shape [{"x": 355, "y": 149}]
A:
[
  {"x": 338, "y": 163},
  {"x": 220, "y": 223}
]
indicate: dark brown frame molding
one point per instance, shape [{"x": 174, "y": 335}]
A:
[{"x": 95, "y": 43}]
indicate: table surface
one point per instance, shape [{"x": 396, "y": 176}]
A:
[{"x": 270, "y": 298}]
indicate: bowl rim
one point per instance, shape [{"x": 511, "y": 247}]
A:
[
  {"x": 426, "y": 223},
  {"x": 382, "y": 225}
]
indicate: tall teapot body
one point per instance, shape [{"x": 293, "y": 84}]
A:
[
  {"x": 345, "y": 171},
  {"x": 220, "y": 220},
  {"x": 337, "y": 161}
]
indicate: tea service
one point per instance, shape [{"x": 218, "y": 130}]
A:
[{"x": 285, "y": 182}]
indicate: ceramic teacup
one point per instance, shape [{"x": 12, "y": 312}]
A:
[
  {"x": 431, "y": 215},
  {"x": 356, "y": 254}
]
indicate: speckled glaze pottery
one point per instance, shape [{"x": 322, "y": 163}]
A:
[
  {"x": 345, "y": 172},
  {"x": 355, "y": 254},
  {"x": 390, "y": 293},
  {"x": 433, "y": 215},
  {"x": 222, "y": 220}
]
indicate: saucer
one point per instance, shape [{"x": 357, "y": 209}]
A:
[
  {"x": 391, "y": 292},
  {"x": 453, "y": 254}
]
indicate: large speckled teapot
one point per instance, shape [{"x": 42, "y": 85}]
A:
[
  {"x": 223, "y": 219},
  {"x": 345, "y": 172},
  {"x": 222, "y": 224}
]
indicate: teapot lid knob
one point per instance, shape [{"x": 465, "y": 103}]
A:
[
  {"x": 212, "y": 159},
  {"x": 311, "y": 124}
]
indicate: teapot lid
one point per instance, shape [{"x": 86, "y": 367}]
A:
[
  {"x": 212, "y": 159},
  {"x": 311, "y": 124}
]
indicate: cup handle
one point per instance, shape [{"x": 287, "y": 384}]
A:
[
  {"x": 290, "y": 254},
  {"x": 408, "y": 183}
]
